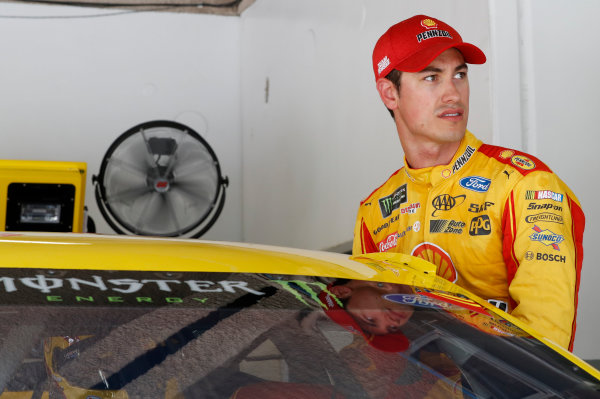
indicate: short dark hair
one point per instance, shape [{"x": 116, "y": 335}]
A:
[{"x": 394, "y": 77}]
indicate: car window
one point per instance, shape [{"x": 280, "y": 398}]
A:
[{"x": 131, "y": 334}]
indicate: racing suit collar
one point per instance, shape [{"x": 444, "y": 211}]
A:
[{"x": 434, "y": 175}]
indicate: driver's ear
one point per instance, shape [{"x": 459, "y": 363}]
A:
[
  {"x": 388, "y": 93},
  {"x": 341, "y": 291}
]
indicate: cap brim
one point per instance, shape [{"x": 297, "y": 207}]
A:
[{"x": 420, "y": 60}]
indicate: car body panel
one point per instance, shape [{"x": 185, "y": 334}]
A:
[{"x": 104, "y": 260}]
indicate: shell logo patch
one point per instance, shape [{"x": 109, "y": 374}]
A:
[
  {"x": 507, "y": 154},
  {"x": 436, "y": 255},
  {"x": 522, "y": 162},
  {"x": 429, "y": 23}
]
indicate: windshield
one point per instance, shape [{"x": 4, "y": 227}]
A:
[{"x": 126, "y": 334}]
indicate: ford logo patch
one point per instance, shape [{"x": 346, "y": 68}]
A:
[{"x": 476, "y": 183}]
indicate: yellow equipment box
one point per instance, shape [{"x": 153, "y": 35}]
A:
[{"x": 42, "y": 195}]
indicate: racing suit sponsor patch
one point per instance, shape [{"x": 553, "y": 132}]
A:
[
  {"x": 529, "y": 255},
  {"x": 522, "y": 162},
  {"x": 445, "y": 202},
  {"x": 462, "y": 160},
  {"x": 543, "y": 207},
  {"x": 544, "y": 217},
  {"x": 546, "y": 237},
  {"x": 477, "y": 208},
  {"x": 475, "y": 183},
  {"x": 436, "y": 255},
  {"x": 385, "y": 225},
  {"x": 446, "y": 226},
  {"x": 388, "y": 242},
  {"x": 543, "y": 194},
  {"x": 480, "y": 226},
  {"x": 393, "y": 201}
]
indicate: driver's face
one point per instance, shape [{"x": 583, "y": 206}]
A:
[{"x": 374, "y": 314}]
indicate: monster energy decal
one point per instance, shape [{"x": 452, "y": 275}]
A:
[{"x": 392, "y": 202}]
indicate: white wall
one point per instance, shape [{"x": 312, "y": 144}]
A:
[
  {"x": 71, "y": 86},
  {"x": 566, "y": 135},
  {"x": 322, "y": 140}
]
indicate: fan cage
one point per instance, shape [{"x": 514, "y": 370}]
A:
[{"x": 159, "y": 180}]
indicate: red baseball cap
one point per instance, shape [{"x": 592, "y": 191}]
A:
[
  {"x": 395, "y": 342},
  {"x": 412, "y": 44}
]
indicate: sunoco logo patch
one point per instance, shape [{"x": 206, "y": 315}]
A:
[{"x": 546, "y": 237}]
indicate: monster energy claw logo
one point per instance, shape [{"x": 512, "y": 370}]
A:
[{"x": 391, "y": 202}]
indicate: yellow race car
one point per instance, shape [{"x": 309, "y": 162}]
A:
[{"x": 91, "y": 316}]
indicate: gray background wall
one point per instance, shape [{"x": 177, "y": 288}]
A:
[{"x": 285, "y": 96}]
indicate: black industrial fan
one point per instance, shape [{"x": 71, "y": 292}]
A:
[{"x": 160, "y": 178}]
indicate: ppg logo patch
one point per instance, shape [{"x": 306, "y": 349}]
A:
[{"x": 480, "y": 226}]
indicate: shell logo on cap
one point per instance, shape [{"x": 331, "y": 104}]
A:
[{"x": 429, "y": 23}]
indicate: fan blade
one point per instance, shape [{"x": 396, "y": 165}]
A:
[{"x": 129, "y": 194}]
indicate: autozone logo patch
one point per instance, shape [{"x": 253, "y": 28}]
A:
[
  {"x": 391, "y": 202},
  {"x": 546, "y": 237},
  {"x": 544, "y": 217},
  {"x": 446, "y": 226},
  {"x": 543, "y": 194},
  {"x": 445, "y": 202},
  {"x": 480, "y": 226}
]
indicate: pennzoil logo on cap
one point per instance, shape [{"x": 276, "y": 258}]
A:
[
  {"x": 432, "y": 31},
  {"x": 429, "y": 23}
]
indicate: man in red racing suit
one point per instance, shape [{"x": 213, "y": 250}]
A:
[{"x": 496, "y": 221}]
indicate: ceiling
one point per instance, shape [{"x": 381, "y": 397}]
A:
[{"x": 219, "y": 7}]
